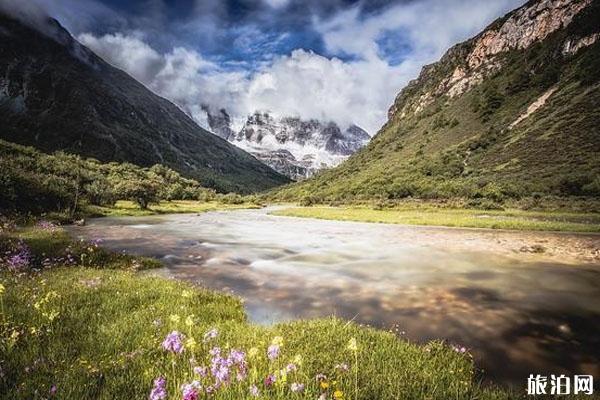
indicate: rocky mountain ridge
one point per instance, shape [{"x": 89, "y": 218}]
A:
[
  {"x": 294, "y": 147},
  {"x": 511, "y": 113}
]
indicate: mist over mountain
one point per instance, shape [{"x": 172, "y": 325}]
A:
[{"x": 55, "y": 94}]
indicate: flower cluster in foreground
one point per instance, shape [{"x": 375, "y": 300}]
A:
[{"x": 210, "y": 369}]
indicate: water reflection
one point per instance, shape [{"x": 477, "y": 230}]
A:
[{"x": 516, "y": 316}]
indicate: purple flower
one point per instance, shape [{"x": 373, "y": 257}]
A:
[
  {"x": 159, "y": 391},
  {"x": 208, "y": 336},
  {"x": 53, "y": 390},
  {"x": 201, "y": 371},
  {"x": 237, "y": 356},
  {"x": 46, "y": 225},
  {"x": 173, "y": 342},
  {"x": 190, "y": 392},
  {"x": 291, "y": 367},
  {"x": 320, "y": 377},
  {"x": 254, "y": 392},
  {"x": 343, "y": 367},
  {"x": 20, "y": 259},
  {"x": 297, "y": 387},
  {"x": 270, "y": 380},
  {"x": 459, "y": 349},
  {"x": 273, "y": 352}
]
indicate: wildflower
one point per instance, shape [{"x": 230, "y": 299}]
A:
[
  {"x": 254, "y": 392},
  {"x": 459, "y": 349},
  {"x": 277, "y": 341},
  {"x": 190, "y": 392},
  {"x": 324, "y": 385},
  {"x": 159, "y": 391},
  {"x": 297, "y": 387},
  {"x": 338, "y": 395},
  {"x": 201, "y": 371},
  {"x": 270, "y": 380},
  {"x": 189, "y": 321},
  {"x": 190, "y": 343},
  {"x": 291, "y": 367},
  {"x": 157, "y": 322},
  {"x": 208, "y": 336},
  {"x": 343, "y": 367},
  {"x": 298, "y": 360},
  {"x": 53, "y": 390},
  {"x": 352, "y": 345},
  {"x": 273, "y": 352},
  {"x": 173, "y": 342},
  {"x": 252, "y": 352},
  {"x": 19, "y": 260},
  {"x": 320, "y": 377},
  {"x": 174, "y": 318}
]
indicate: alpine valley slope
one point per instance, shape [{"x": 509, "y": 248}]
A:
[
  {"x": 512, "y": 112},
  {"x": 56, "y": 94}
]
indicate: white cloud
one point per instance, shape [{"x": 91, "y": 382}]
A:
[{"x": 303, "y": 83}]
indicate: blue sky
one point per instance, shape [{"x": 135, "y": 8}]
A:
[{"x": 337, "y": 60}]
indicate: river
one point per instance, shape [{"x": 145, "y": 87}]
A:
[{"x": 517, "y": 313}]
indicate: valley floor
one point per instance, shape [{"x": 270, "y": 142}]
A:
[
  {"x": 78, "y": 322},
  {"x": 456, "y": 217}
]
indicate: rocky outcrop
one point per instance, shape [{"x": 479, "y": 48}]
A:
[
  {"x": 292, "y": 146},
  {"x": 219, "y": 122},
  {"x": 467, "y": 65}
]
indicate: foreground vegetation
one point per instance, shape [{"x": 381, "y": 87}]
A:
[
  {"x": 78, "y": 322},
  {"x": 453, "y": 217}
]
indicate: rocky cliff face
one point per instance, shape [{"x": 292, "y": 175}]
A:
[
  {"x": 468, "y": 64},
  {"x": 55, "y": 94},
  {"x": 512, "y": 112},
  {"x": 291, "y": 146}
]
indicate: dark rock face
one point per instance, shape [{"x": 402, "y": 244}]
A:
[
  {"x": 294, "y": 147},
  {"x": 219, "y": 122},
  {"x": 55, "y": 94}
]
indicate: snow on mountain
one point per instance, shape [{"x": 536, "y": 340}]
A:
[{"x": 293, "y": 147}]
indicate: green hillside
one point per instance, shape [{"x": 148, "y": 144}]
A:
[
  {"x": 455, "y": 132},
  {"x": 55, "y": 94}
]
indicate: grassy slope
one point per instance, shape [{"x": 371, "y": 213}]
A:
[
  {"x": 511, "y": 219},
  {"x": 462, "y": 147},
  {"x": 104, "y": 343}
]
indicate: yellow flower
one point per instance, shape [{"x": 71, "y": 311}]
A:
[
  {"x": 189, "y": 321},
  {"x": 190, "y": 343},
  {"x": 174, "y": 318},
  {"x": 338, "y": 395},
  {"x": 324, "y": 385},
  {"x": 2, "y": 288},
  {"x": 298, "y": 360},
  {"x": 277, "y": 341},
  {"x": 352, "y": 345},
  {"x": 252, "y": 352}
]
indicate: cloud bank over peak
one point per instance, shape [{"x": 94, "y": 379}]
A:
[{"x": 341, "y": 62}]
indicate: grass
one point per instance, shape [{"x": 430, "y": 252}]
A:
[
  {"x": 129, "y": 208},
  {"x": 95, "y": 332},
  {"x": 492, "y": 219}
]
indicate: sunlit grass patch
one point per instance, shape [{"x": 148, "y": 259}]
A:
[
  {"x": 74, "y": 332},
  {"x": 129, "y": 208},
  {"x": 494, "y": 219}
]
